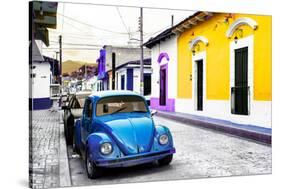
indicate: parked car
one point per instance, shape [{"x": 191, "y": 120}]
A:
[
  {"x": 117, "y": 130},
  {"x": 65, "y": 99},
  {"x": 73, "y": 109}
]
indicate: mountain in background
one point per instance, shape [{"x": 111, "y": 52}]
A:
[{"x": 71, "y": 65}]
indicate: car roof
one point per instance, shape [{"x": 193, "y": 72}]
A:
[{"x": 107, "y": 93}]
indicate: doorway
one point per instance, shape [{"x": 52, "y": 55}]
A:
[
  {"x": 240, "y": 89},
  {"x": 146, "y": 84},
  {"x": 122, "y": 82},
  {"x": 163, "y": 85},
  {"x": 199, "y": 85}
]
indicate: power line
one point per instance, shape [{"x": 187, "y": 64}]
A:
[
  {"x": 75, "y": 27},
  {"x": 81, "y": 44},
  {"x": 71, "y": 35},
  {"x": 73, "y": 48},
  {"x": 89, "y": 25},
  {"x": 122, "y": 20},
  {"x": 128, "y": 6},
  {"x": 164, "y": 28},
  {"x": 55, "y": 34}
]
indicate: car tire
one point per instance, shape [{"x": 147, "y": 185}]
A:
[
  {"x": 92, "y": 170},
  {"x": 74, "y": 146},
  {"x": 166, "y": 160},
  {"x": 69, "y": 130}
]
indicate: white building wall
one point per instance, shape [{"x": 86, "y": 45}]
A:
[
  {"x": 123, "y": 55},
  {"x": 136, "y": 78},
  {"x": 260, "y": 114},
  {"x": 41, "y": 81},
  {"x": 121, "y": 72},
  {"x": 170, "y": 47}
]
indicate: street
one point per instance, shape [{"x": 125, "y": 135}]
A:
[
  {"x": 200, "y": 153},
  {"x": 206, "y": 74},
  {"x": 44, "y": 146}
]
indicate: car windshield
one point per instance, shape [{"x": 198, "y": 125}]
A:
[
  {"x": 116, "y": 104},
  {"x": 78, "y": 102}
]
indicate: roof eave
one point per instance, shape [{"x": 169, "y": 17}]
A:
[{"x": 191, "y": 21}]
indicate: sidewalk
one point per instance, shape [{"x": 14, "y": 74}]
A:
[
  {"x": 245, "y": 131},
  {"x": 48, "y": 151}
]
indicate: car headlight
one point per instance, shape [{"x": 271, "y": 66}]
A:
[
  {"x": 163, "y": 139},
  {"x": 106, "y": 148}
]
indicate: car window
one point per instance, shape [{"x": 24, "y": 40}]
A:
[{"x": 117, "y": 104}]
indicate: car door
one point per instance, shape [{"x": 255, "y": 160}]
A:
[{"x": 87, "y": 120}]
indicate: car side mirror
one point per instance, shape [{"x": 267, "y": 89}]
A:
[{"x": 153, "y": 112}]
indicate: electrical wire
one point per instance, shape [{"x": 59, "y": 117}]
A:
[
  {"x": 72, "y": 48},
  {"x": 75, "y": 27},
  {"x": 128, "y": 6},
  {"x": 117, "y": 8},
  {"x": 89, "y": 25},
  {"x": 81, "y": 44}
]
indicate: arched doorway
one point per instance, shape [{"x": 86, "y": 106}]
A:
[{"x": 241, "y": 66}]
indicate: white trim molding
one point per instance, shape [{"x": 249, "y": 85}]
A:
[
  {"x": 195, "y": 58},
  {"x": 239, "y": 22},
  {"x": 198, "y": 39}
]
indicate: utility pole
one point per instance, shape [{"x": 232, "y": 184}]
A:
[
  {"x": 141, "y": 48},
  {"x": 60, "y": 73},
  {"x": 53, "y": 69},
  {"x": 59, "y": 68}
]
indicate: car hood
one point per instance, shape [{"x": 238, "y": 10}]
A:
[{"x": 133, "y": 133}]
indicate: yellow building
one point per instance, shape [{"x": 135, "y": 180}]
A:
[{"x": 224, "y": 67}]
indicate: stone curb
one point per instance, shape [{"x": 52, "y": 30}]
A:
[
  {"x": 64, "y": 170},
  {"x": 248, "y": 134}
]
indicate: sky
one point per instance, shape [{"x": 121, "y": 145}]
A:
[{"x": 86, "y": 28}]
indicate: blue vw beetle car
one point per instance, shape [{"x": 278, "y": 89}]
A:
[{"x": 117, "y": 130}]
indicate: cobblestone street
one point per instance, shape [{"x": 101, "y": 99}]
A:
[
  {"x": 45, "y": 149},
  {"x": 200, "y": 153}
]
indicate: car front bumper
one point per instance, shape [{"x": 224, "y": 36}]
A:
[{"x": 132, "y": 160}]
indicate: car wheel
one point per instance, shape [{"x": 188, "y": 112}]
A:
[
  {"x": 92, "y": 170},
  {"x": 69, "y": 130},
  {"x": 166, "y": 160}
]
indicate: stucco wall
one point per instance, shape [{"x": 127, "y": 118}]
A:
[
  {"x": 123, "y": 55},
  {"x": 218, "y": 64},
  {"x": 170, "y": 47},
  {"x": 136, "y": 78},
  {"x": 218, "y": 74},
  {"x": 41, "y": 81}
]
